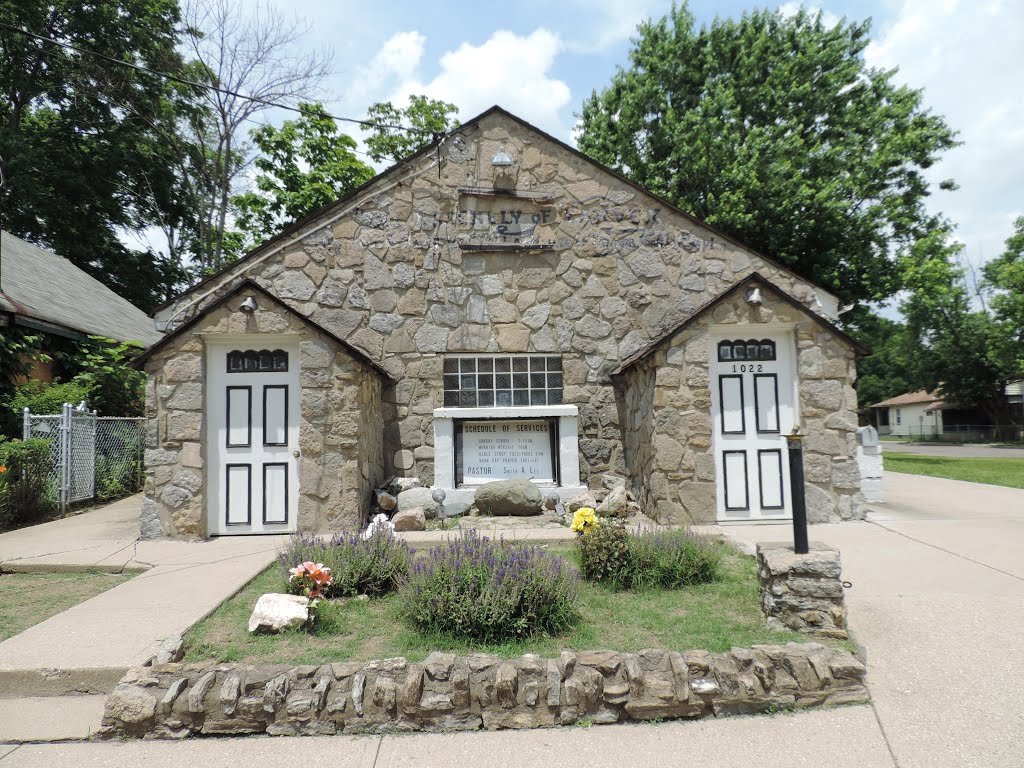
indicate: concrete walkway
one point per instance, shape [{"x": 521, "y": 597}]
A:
[
  {"x": 87, "y": 649},
  {"x": 965, "y": 450}
]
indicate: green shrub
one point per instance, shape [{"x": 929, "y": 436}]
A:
[
  {"x": 373, "y": 566},
  {"x": 118, "y": 477},
  {"x": 649, "y": 559},
  {"x": 477, "y": 589},
  {"x": 46, "y": 398},
  {"x": 26, "y": 495}
]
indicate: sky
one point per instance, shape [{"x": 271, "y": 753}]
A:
[{"x": 541, "y": 59}]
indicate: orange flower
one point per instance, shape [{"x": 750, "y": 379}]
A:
[{"x": 2, "y": 469}]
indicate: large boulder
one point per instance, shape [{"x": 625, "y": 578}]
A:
[
  {"x": 275, "y": 612},
  {"x": 502, "y": 498},
  {"x": 410, "y": 520},
  {"x": 421, "y": 498}
]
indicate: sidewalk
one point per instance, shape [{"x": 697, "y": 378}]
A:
[{"x": 88, "y": 648}]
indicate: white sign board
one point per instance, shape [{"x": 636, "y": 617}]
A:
[{"x": 501, "y": 450}]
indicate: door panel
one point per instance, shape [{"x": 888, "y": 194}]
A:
[
  {"x": 252, "y": 438},
  {"x": 754, "y": 397}
]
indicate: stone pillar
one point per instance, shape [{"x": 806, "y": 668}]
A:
[
  {"x": 869, "y": 460},
  {"x": 802, "y": 593}
]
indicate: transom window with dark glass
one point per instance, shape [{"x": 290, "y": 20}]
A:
[
  {"x": 503, "y": 380},
  {"x": 257, "y": 361},
  {"x": 751, "y": 349}
]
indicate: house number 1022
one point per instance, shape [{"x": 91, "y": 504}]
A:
[{"x": 748, "y": 368}]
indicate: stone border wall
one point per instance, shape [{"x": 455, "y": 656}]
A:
[
  {"x": 449, "y": 693},
  {"x": 802, "y": 593}
]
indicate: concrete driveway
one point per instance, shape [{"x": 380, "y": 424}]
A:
[
  {"x": 969, "y": 451},
  {"x": 937, "y": 597}
]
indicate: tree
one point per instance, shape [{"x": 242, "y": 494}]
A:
[
  {"x": 892, "y": 367},
  {"x": 1004, "y": 278},
  {"x": 968, "y": 354},
  {"x": 250, "y": 54},
  {"x": 81, "y": 158},
  {"x": 400, "y": 132},
  {"x": 773, "y": 129},
  {"x": 304, "y": 165}
]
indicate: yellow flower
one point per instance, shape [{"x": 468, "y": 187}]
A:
[{"x": 584, "y": 521}]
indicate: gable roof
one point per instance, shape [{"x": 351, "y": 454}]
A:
[
  {"x": 247, "y": 284},
  {"x": 296, "y": 226},
  {"x": 40, "y": 289},
  {"x": 920, "y": 397},
  {"x": 750, "y": 281}
]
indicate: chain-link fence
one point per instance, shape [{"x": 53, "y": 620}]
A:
[{"x": 92, "y": 457}]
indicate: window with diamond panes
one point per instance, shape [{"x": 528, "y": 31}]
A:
[{"x": 502, "y": 381}]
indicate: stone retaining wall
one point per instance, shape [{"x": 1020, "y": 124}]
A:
[
  {"x": 803, "y": 593},
  {"x": 447, "y": 693}
]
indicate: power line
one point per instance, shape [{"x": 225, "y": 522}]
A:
[{"x": 205, "y": 86}]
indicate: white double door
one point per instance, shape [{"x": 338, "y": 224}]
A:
[
  {"x": 252, "y": 438},
  {"x": 753, "y": 396}
]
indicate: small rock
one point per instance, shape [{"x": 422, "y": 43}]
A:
[
  {"x": 581, "y": 500},
  {"x": 615, "y": 504},
  {"x": 454, "y": 509},
  {"x": 130, "y": 705},
  {"x": 275, "y": 612},
  {"x": 398, "y": 484},
  {"x": 516, "y": 498},
  {"x": 384, "y": 500},
  {"x": 421, "y": 498},
  {"x": 170, "y": 650},
  {"x": 413, "y": 519}
]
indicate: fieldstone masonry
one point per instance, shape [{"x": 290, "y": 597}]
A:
[
  {"x": 446, "y": 254},
  {"x": 803, "y": 593},
  {"x": 340, "y": 433},
  {"x": 449, "y": 693}
]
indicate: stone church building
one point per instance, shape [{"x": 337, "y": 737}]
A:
[{"x": 497, "y": 305}]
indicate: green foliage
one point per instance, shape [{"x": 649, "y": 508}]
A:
[
  {"x": 117, "y": 477},
  {"x": 474, "y": 588},
  {"x": 968, "y": 353},
  {"x": 304, "y": 165},
  {"x": 26, "y": 496},
  {"x": 46, "y": 398},
  {"x": 647, "y": 560},
  {"x": 1004, "y": 278},
  {"x": 18, "y": 350},
  {"x": 773, "y": 129},
  {"x": 428, "y": 118},
  {"x": 892, "y": 367},
  {"x": 113, "y": 387},
  {"x": 85, "y": 145},
  {"x": 373, "y": 566}
]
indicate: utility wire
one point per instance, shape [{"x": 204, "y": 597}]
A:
[{"x": 205, "y": 86}]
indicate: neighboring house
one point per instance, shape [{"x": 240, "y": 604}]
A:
[
  {"x": 496, "y": 305},
  {"x": 926, "y": 414},
  {"x": 1015, "y": 397},
  {"x": 44, "y": 292}
]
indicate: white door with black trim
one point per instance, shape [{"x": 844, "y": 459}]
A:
[
  {"x": 252, "y": 438},
  {"x": 753, "y": 395}
]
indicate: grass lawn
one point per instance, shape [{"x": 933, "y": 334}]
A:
[
  {"x": 29, "y": 598},
  {"x": 1008, "y": 472},
  {"x": 714, "y": 617}
]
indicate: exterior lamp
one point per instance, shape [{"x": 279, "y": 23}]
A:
[
  {"x": 501, "y": 159},
  {"x": 794, "y": 442},
  {"x": 248, "y": 306}
]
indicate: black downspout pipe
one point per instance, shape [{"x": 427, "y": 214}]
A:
[{"x": 796, "y": 482}]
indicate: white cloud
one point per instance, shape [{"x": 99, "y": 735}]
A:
[
  {"x": 606, "y": 22},
  {"x": 968, "y": 56},
  {"x": 511, "y": 70},
  {"x": 791, "y": 8},
  {"x": 398, "y": 58}
]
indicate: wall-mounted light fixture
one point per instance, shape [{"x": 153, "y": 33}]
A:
[
  {"x": 248, "y": 306},
  {"x": 501, "y": 159},
  {"x": 754, "y": 296}
]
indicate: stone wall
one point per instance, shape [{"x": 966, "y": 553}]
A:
[
  {"x": 803, "y": 593},
  {"x": 671, "y": 461},
  {"x": 449, "y": 693},
  {"x": 414, "y": 269},
  {"x": 339, "y": 429}
]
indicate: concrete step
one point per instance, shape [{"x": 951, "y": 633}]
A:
[
  {"x": 48, "y": 718},
  {"x": 43, "y": 683}
]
